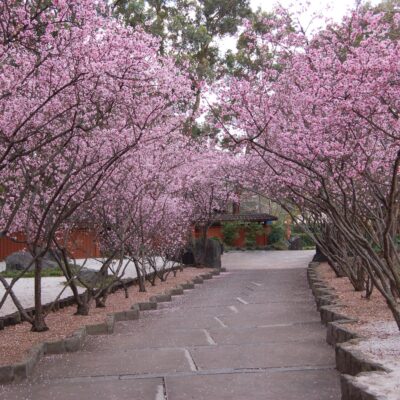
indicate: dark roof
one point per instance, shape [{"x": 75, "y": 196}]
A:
[{"x": 253, "y": 217}]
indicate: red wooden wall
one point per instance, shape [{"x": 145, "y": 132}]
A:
[
  {"x": 216, "y": 231},
  {"x": 81, "y": 244}
]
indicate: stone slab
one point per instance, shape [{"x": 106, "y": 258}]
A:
[
  {"x": 106, "y": 389},
  {"x": 263, "y": 355},
  {"x": 270, "y": 318},
  {"x": 302, "y": 385},
  {"x": 274, "y": 334},
  {"x": 124, "y": 361},
  {"x": 142, "y": 338}
]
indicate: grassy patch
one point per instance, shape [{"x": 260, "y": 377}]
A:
[{"x": 31, "y": 274}]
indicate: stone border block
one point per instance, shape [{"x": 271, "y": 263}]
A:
[
  {"x": 55, "y": 347},
  {"x": 73, "y": 343},
  {"x": 147, "y": 305},
  {"x": 176, "y": 291},
  {"x": 352, "y": 361},
  {"x": 6, "y": 373},
  {"x": 331, "y": 313},
  {"x": 338, "y": 333},
  {"x": 328, "y": 300},
  {"x": 198, "y": 280},
  {"x": 354, "y": 390},
  {"x": 97, "y": 329},
  {"x": 161, "y": 298},
  {"x": 188, "y": 285}
]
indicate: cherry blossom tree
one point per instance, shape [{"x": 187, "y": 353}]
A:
[
  {"x": 322, "y": 115},
  {"x": 61, "y": 142}
]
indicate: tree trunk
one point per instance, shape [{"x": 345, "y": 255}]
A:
[
  {"x": 142, "y": 286},
  {"x": 39, "y": 324},
  {"x": 101, "y": 301},
  {"x": 82, "y": 308}
]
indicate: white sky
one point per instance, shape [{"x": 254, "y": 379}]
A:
[{"x": 334, "y": 9}]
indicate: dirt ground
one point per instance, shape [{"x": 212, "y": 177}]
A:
[{"x": 366, "y": 311}]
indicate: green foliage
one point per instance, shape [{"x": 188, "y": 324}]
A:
[
  {"x": 306, "y": 240},
  {"x": 277, "y": 233},
  {"x": 249, "y": 55},
  {"x": 230, "y": 232},
  {"x": 280, "y": 245},
  {"x": 253, "y": 229},
  {"x": 188, "y": 29},
  {"x": 31, "y": 274}
]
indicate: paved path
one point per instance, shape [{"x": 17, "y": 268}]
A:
[{"x": 251, "y": 334}]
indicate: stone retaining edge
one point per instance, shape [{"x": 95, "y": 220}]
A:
[
  {"x": 18, "y": 372},
  {"x": 349, "y": 362}
]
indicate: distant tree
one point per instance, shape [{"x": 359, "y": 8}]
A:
[{"x": 189, "y": 30}]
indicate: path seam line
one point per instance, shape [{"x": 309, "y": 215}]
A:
[
  {"x": 209, "y": 338},
  {"x": 189, "y": 358},
  {"x": 234, "y": 309},
  {"x": 220, "y": 322}
]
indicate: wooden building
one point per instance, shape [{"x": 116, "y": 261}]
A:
[{"x": 216, "y": 229}]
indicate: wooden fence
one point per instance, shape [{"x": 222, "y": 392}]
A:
[{"x": 81, "y": 244}]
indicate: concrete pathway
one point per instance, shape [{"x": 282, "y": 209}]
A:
[{"x": 250, "y": 334}]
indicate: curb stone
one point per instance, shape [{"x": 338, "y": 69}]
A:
[
  {"x": 351, "y": 389},
  {"x": 146, "y": 306},
  {"x": 18, "y": 372},
  {"x": 186, "y": 286},
  {"x": 161, "y": 298},
  {"x": 337, "y": 332},
  {"x": 197, "y": 280},
  {"x": 350, "y": 362},
  {"x": 176, "y": 291}
]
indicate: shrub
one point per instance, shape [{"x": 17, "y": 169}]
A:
[
  {"x": 306, "y": 240},
  {"x": 230, "y": 232},
  {"x": 277, "y": 233},
  {"x": 253, "y": 229},
  {"x": 280, "y": 245}
]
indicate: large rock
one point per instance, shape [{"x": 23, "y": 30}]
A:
[
  {"x": 91, "y": 277},
  {"x": 296, "y": 243},
  {"x": 188, "y": 257},
  {"x": 20, "y": 260},
  {"x": 319, "y": 256},
  {"x": 208, "y": 255}
]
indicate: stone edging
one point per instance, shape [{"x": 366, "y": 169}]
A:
[
  {"x": 349, "y": 361},
  {"x": 18, "y": 372}
]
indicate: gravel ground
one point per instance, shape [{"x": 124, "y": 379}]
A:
[{"x": 355, "y": 303}]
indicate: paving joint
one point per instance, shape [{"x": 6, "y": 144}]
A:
[{"x": 219, "y": 371}]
